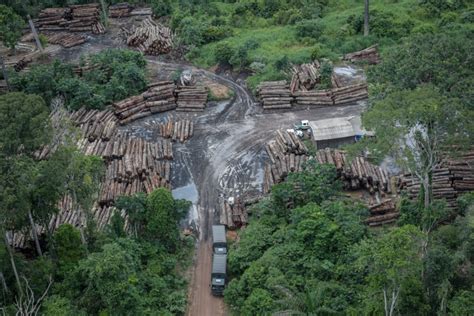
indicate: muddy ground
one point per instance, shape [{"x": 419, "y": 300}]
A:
[{"x": 225, "y": 156}]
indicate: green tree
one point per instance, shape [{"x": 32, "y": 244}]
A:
[
  {"x": 414, "y": 126},
  {"x": 391, "y": 261},
  {"x": 24, "y": 123},
  {"x": 11, "y": 25},
  {"x": 68, "y": 248}
]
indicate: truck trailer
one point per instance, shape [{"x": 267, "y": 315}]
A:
[
  {"x": 218, "y": 274},
  {"x": 219, "y": 242}
]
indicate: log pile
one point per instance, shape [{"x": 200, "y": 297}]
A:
[
  {"x": 120, "y": 10},
  {"x": 233, "y": 215},
  {"x": 134, "y": 166},
  {"x": 313, "y": 98},
  {"x": 382, "y": 213},
  {"x": 305, "y": 77},
  {"x": 453, "y": 178},
  {"x": 287, "y": 154},
  {"x": 64, "y": 39},
  {"x": 191, "y": 98},
  {"x": 151, "y": 38},
  {"x": 22, "y": 64},
  {"x": 274, "y": 95},
  {"x": 74, "y": 18},
  {"x": 145, "y": 12},
  {"x": 349, "y": 94},
  {"x": 335, "y": 96},
  {"x": 158, "y": 98},
  {"x": 181, "y": 130},
  {"x": 370, "y": 55},
  {"x": 357, "y": 173}
]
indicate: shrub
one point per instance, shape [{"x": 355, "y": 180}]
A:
[
  {"x": 309, "y": 28},
  {"x": 223, "y": 53},
  {"x": 436, "y": 7}
]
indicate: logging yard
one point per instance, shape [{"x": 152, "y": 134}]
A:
[{"x": 208, "y": 137}]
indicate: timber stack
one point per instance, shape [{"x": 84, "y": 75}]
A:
[
  {"x": 233, "y": 215},
  {"x": 349, "y": 94},
  {"x": 382, "y": 213},
  {"x": 369, "y": 55},
  {"x": 158, "y": 98},
  {"x": 151, "y": 38},
  {"x": 74, "y": 18},
  {"x": 180, "y": 130},
  {"x": 191, "y": 98},
  {"x": 274, "y": 95},
  {"x": 313, "y": 98},
  {"x": 305, "y": 77},
  {"x": 451, "y": 179},
  {"x": 64, "y": 39},
  {"x": 287, "y": 154},
  {"x": 22, "y": 64},
  {"x": 120, "y": 10},
  {"x": 357, "y": 173}
]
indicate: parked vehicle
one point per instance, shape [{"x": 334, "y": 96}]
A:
[
  {"x": 219, "y": 242},
  {"x": 218, "y": 274}
]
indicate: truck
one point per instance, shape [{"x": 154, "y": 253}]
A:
[
  {"x": 218, "y": 274},
  {"x": 303, "y": 126},
  {"x": 219, "y": 242}
]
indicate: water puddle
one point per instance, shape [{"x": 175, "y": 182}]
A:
[{"x": 189, "y": 192}]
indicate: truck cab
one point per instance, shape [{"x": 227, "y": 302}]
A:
[
  {"x": 219, "y": 242},
  {"x": 218, "y": 274}
]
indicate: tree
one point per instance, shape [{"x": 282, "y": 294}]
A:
[
  {"x": 24, "y": 123},
  {"x": 416, "y": 127},
  {"x": 68, "y": 248},
  {"x": 155, "y": 217},
  {"x": 366, "y": 17},
  {"x": 390, "y": 261},
  {"x": 444, "y": 60},
  {"x": 11, "y": 25}
]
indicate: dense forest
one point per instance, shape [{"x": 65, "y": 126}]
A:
[{"x": 306, "y": 250}]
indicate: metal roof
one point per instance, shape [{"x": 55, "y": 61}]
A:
[
  {"x": 332, "y": 128},
  {"x": 219, "y": 263},
  {"x": 218, "y": 233}
]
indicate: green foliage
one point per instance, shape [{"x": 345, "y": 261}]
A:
[
  {"x": 309, "y": 28},
  {"x": 117, "y": 74},
  {"x": 155, "y": 217},
  {"x": 444, "y": 60},
  {"x": 56, "y": 305},
  {"x": 68, "y": 248},
  {"x": 24, "y": 125},
  {"x": 11, "y": 25}
]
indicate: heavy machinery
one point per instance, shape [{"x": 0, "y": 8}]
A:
[{"x": 303, "y": 126}]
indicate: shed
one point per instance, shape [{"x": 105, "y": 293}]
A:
[{"x": 335, "y": 132}]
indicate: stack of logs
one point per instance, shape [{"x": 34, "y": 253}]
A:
[
  {"x": 287, "y": 153},
  {"x": 357, "y": 173},
  {"x": 349, "y": 94},
  {"x": 151, "y": 38},
  {"x": 233, "y": 215},
  {"x": 177, "y": 131},
  {"x": 22, "y": 64},
  {"x": 64, "y": 39},
  {"x": 370, "y": 55},
  {"x": 305, "y": 77},
  {"x": 382, "y": 213},
  {"x": 74, "y": 18},
  {"x": 134, "y": 165},
  {"x": 275, "y": 95},
  {"x": 158, "y": 98},
  {"x": 120, "y": 10},
  {"x": 191, "y": 98},
  {"x": 453, "y": 178}
]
